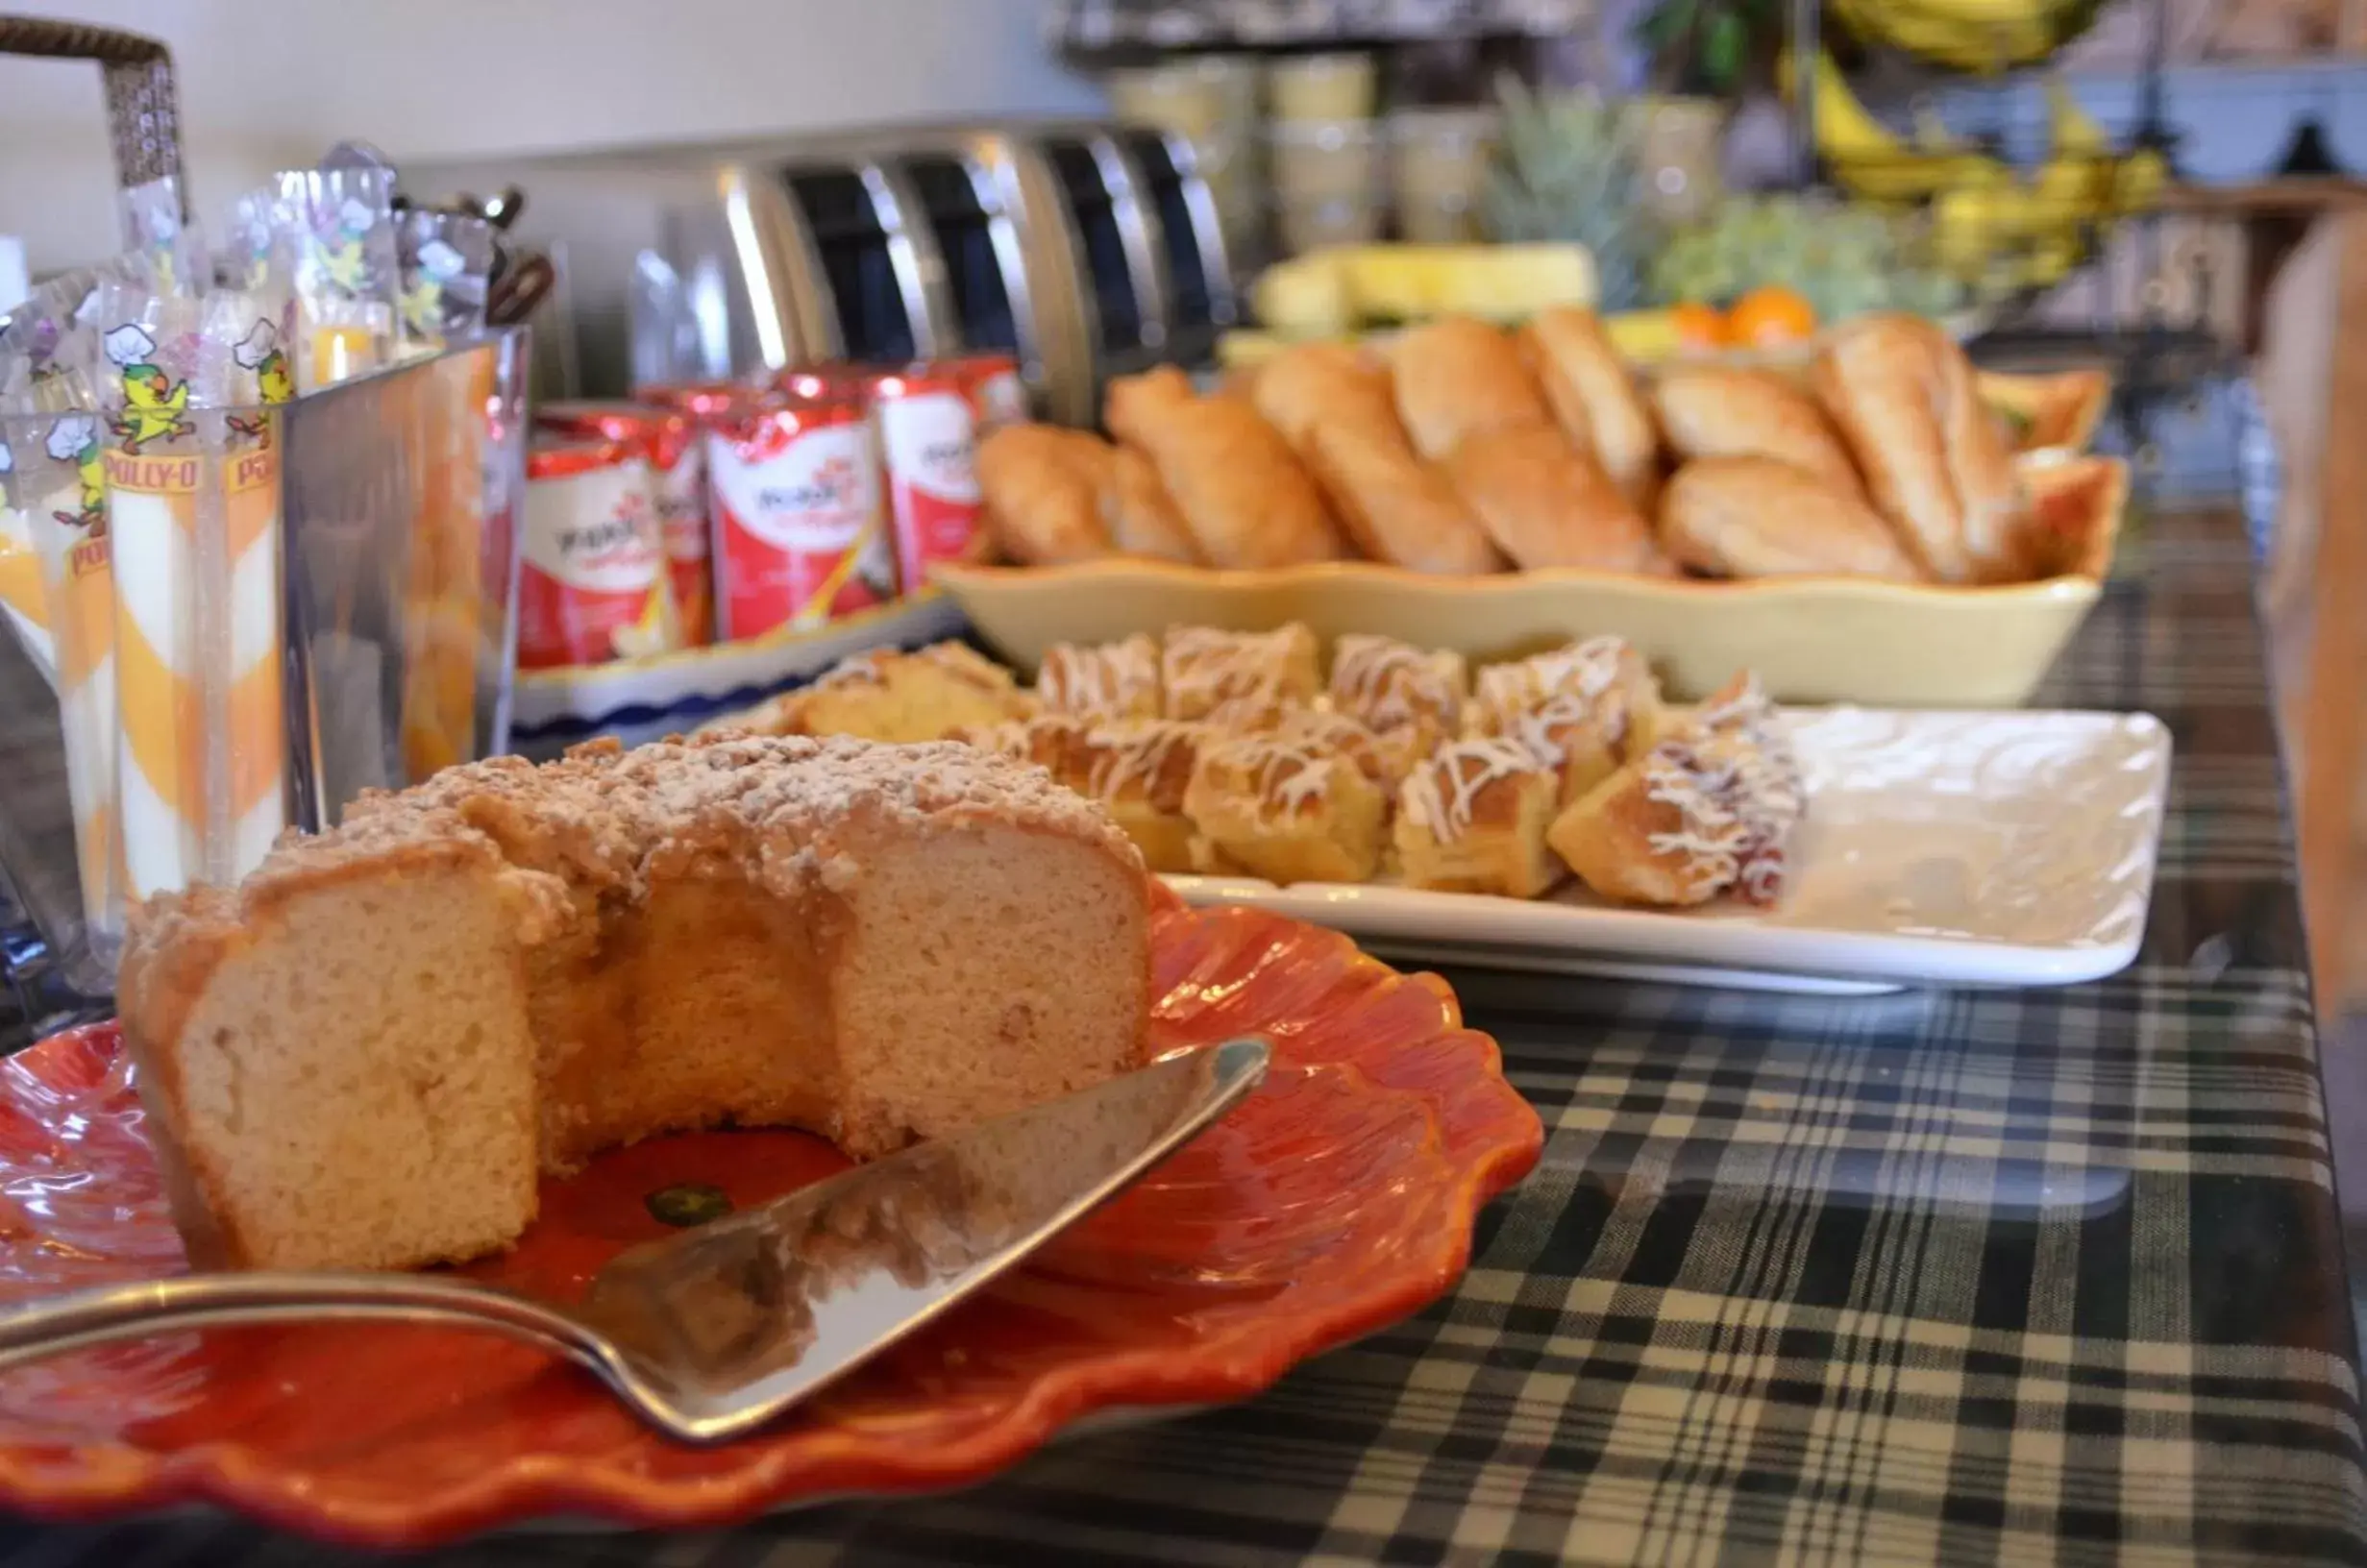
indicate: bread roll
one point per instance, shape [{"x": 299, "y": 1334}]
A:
[
  {"x": 1242, "y": 494},
  {"x": 1042, "y": 489},
  {"x": 1711, "y": 412},
  {"x": 1136, "y": 510},
  {"x": 1938, "y": 468},
  {"x": 1756, "y": 517},
  {"x": 1456, "y": 378},
  {"x": 1546, "y": 503},
  {"x": 1335, "y": 409},
  {"x": 1592, "y": 393}
]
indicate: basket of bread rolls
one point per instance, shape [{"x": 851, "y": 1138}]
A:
[{"x": 1882, "y": 523}]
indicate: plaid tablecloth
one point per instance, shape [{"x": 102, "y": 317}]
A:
[{"x": 1969, "y": 1277}]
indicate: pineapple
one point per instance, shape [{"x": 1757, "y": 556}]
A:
[{"x": 1567, "y": 170}]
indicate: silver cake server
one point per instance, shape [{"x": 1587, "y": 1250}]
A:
[{"x": 713, "y": 1333}]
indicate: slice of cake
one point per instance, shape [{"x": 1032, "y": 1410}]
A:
[{"x": 366, "y": 1054}]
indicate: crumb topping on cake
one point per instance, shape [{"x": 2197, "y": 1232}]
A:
[{"x": 599, "y": 815}]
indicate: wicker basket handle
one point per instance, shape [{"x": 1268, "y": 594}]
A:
[{"x": 145, "y": 122}]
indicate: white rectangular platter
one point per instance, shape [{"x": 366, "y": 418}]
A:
[{"x": 1951, "y": 848}]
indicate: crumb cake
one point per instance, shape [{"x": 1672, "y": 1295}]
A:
[{"x": 366, "y": 1054}]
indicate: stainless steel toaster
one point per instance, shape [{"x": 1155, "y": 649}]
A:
[{"x": 1083, "y": 250}]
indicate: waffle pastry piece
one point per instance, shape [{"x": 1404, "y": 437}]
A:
[
  {"x": 1102, "y": 680},
  {"x": 1240, "y": 678},
  {"x": 1472, "y": 818},
  {"x": 367, "y": 1054},
  {"x": 1709, "y": 810},
  {"x": 1281, "y": 808},
  {"x": 1136, "y": 769},
  {"x": 889, "y": 696},
  {"x": 1581, "y": 710}
]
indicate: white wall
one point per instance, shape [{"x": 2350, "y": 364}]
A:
[{"x": 266, "y": 84}]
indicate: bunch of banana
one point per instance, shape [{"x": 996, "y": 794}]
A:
[
  {"x": 1990, "y": 226},
  {"x": 2032, "y": 234},
  {"x": 1979, "y": 36},
  {"x": 1872, "y": 162}
]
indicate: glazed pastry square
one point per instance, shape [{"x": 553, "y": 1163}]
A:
[
  {"x": 1709, "y": 810},
  {"x": 1383, "y": 759},
  {"x": 1136, "y": 769},
  {"x": 1278, "y": 808},
  {"x": 1581, "y": 710},
  {"x": 896, "y": 697},
  {"x": 1390, "y": 686},
  {"x": 1472, "y": 818},
  {"x": 1236, "y": 679},
  {"x": 1105, "y": 680}
]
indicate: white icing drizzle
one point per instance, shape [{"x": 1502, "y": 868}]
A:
[
  {"x": 1281, "y": 775},
  {"x": 1388, "y": 684},
  {"x": 1582, "y": 671},
  {"x": 1208, "y": 670},
  {"x": 1440, "y": 794},
  {"x": 1739, "y": 793},
  {"x": 1138, "y": 753},
  {"x": 1334, "y": 734},
  {"x": 1103, "y": 683}
]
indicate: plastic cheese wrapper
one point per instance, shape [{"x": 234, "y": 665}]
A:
[
  {"x": 190, "y": 451},
  {"x": 341, "y": 227},
  {"x": 53, "y": 486}
]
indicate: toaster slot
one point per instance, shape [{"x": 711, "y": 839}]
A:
[
  {"x": 877, "y": 309},
  {"x": 1116, "y": 272},
  {"x": 981, "y": 254},
  {"x": 1199, "y": 287}
]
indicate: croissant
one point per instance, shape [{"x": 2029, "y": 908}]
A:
[
  {"x": 1040, "y": 487},
  {"x": 1711, "y": 412},
  {"x": 1758, "y": 517},
  {"x": 1938, "y": 465},
  {"x": 1456, "y": 378},
  {"x": 1546, "y": 503},
  {"x": 1334, "y": 408},
  {"x": 1588, "y": 385},
  {"x": 1243, "y": 494}
]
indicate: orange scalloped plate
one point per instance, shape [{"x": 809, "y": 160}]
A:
[{"x": 1336, "y": 1199}]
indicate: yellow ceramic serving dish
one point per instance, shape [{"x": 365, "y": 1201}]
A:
[{"x": 1811, "y": 640}]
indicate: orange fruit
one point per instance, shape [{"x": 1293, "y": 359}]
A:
[
  {"x": 1765, "y": 318},
  {"x": 1699, "y": 326}
]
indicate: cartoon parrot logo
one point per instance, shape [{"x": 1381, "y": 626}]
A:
[
  {"x": 341, "y": 261},
  {"x": 422, "y": 302},
  {"x": 155, "y": 405},
  {"x": 260, "y": 353},
  {"x": 76, "y": 441}
]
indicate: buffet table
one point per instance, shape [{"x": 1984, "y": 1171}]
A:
[{"x": 2048, "y": 1275}]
